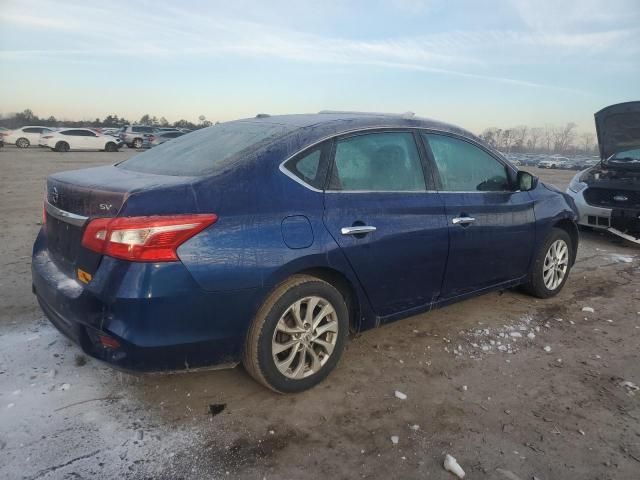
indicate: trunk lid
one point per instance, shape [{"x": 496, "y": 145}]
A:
[
  {"x": 75, "y": 197},
  {"x": 618, "y": 128}
]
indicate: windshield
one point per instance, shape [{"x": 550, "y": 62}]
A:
[
  {"x": 207, "y": 150},
  {"x": 627, "y": 156}
]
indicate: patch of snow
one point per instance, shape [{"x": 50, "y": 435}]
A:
[
  {"x": 588, "y": 309},
  {"x": 400, "y": 395}
]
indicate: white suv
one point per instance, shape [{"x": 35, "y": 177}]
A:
[
  {"x": 24, "y": 137},
  {"x": 79, "y": 139}
]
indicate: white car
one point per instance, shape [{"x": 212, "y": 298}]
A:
[
  {"x": 554, "y": 162},
  {"x": 79, "y": 139},
  {"x": 25, "y": 137}
]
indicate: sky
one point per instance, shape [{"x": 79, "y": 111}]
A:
[{"x": 473, "y": 63}]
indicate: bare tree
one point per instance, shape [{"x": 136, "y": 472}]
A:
[
  {"x": 534, "y": 137},
  {"x": 563, "y": 136},
  {"x": 519, "y": 136},
  {"x": 586, "y": 140},
  {"x": 547, "y": 134}
]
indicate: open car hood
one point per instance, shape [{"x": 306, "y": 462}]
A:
[{"x": 618, "y": 128}]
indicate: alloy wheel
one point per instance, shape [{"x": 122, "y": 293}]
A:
[
  {"x": 305, "y": 337},
  {"x": 556, "y": 263}
]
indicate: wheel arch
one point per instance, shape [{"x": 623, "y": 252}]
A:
[
  {"x": 338, "y": 280},
  {"x": 571, "y": 228}
]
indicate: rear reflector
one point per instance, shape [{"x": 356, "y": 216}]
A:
[
  {"x": 144, "y": 239},
  {"x": 108, "y": 342}
]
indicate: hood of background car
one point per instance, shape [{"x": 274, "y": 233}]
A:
[{"x": 618, "y": 128}]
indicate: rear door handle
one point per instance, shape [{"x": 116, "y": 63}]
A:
[
  {"x": 358, "y": 230},
  {"x": 462, "y": 220}
]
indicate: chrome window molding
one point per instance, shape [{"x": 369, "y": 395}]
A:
[
  {"x": 64, "y": 216},
  {"x": 436, "y": 131}
]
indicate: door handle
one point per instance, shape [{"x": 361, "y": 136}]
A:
[
  {"x": 357, "y": 230},
  {"x": 462, "y": 220}
]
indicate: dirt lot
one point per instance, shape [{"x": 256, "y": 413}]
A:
[{"x": 479, "y": 382}]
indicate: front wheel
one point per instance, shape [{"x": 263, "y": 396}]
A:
[
  {"x": 137, "y": 143},
  {"x": 62, "y": 147},
  {"x": 551, "y": 265},
  {"x": 23, "y": 143},
  {"x": 110, "y": 147},
  {"x": 298, "y": 335}
]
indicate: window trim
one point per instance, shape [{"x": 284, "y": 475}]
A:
[
  {"x": 432, "y": 178},
  {"x": 373, "y": 131},
  {"x": 509, "y": 169},
  {"x": 325, "y": 152}
]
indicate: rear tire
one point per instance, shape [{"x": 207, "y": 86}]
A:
[
  {"x": 297, "y": 336},
  {"x": 62, "y": 147},
  {"x": 137, "y": 143},
  {"x": 551, "y": 265},
  {"x": 23, "y": 142},
  {"x": 110, "y": 147}
]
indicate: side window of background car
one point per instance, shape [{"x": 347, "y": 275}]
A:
[
  {"x": 463, "y": 167},
  {"x": 307, "y": 168},
  {"x": 32, "y": 130},
  {"x": 387, "y": 161}
]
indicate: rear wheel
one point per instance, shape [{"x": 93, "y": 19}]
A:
[
  {"x": 137, "y": 143},
  {"x": 62, "y": 147},
  {"x": 23, "y": 143},
  {"x": 551, "y": 265},
  {"x": 110, "y": 147},
  {"x": 298, "y": 335}
]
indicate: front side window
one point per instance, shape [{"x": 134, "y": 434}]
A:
[
  {"x": 142, "y": 129},
  {"x": 32, "y": 130},
  {"x": 386, "y": 161},
  {"x": 463, "y": 167}
]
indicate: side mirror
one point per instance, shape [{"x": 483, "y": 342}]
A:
[{"x": 525, "y": 181}]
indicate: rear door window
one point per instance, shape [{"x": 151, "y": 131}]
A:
[
  {"x": 463, "y": 167},
  {"x": 32, "y": 130},
  {"x": 385, "y": 161}
]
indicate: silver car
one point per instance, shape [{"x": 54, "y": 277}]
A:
[{"x": 608, "y": 194}]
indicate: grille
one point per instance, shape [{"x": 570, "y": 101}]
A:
[{"x": 604, "y": 197}]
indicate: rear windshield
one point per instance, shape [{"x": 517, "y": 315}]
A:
[{"x": 207, "y": 150}]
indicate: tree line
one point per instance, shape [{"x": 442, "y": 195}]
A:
[
  {"x": 27, "y": 117},
  {"x": 547, "y": 139}
]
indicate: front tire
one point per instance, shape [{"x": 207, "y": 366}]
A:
[
  {"x": 110, "y": 147},
  {"x": 137, "y": 143},
  {"x": 551, "y": 265},
  {"x": 297, "y": 336},
  {"x": 23, "y": 142},
  {"x": 62, "y": 147}
]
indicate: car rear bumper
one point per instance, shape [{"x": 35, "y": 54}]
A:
[{"x": 144, "y": 317}]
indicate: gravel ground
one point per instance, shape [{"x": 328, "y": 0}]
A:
[{"x": 511, "y": 386}]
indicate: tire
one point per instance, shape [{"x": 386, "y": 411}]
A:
[
  {"x": 23, "y": 142},
  {"x": 137, "y": 143},
  {"x": 541, "y": 283},
  {"x": 110, "y": 147},
  {"x": 62, "y": 147},
  {"x": 278, "y": 313}
]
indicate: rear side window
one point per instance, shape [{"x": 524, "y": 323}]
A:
[
  {"x": 142, "y": 129},
  {"x": 387, "y": 161},
  {"x": 207, "y": 150},
  {"x": 307, "y": 167},
  {"x": 463, "y": 167},
  {"x": 32, "y": 130}
]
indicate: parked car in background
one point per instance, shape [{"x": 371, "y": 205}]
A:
[
  {"x": 66, "y": 140},
  {"x": 160, "y": 138},
  {"x": 25, "y": 137},
  {"x": 554, "y": 161},
  {"x": 608, "y": 194},
  {"x": 134, "y": 135},
  {"x": 167, "y": 260}
]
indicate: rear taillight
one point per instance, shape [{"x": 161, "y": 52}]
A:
[{"x": 144, "y": 239}]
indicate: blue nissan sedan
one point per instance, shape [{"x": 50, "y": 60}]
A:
[{"x": 267, "y": 240}]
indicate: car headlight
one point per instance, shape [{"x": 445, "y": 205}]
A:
[{"x": 576, "y": 185}]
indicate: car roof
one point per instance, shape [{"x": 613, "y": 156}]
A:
[{"x": 328, "y": 123}]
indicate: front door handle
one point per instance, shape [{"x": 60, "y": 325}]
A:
[
  {"x": 357, "y": 230},
  {"x": 462, "y": 220}
]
